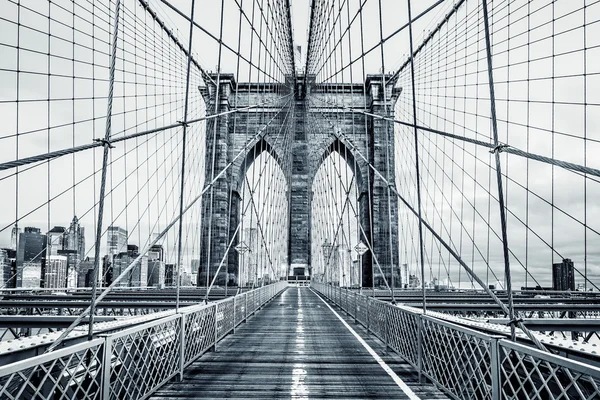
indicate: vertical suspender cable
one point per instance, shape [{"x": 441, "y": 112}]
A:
[
  {"x": 418, "y": 176},
  {"x": 511, "y": 312},
  {"x": 106, "y": 142},
  {"x": 183, "y": 154}
]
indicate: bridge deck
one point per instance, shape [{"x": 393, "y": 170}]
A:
[{"x": 297, "y": 348}]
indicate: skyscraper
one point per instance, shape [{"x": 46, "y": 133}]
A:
[
  {"x": 85, "y": 272},
  {"x": 156, "y": 266},
  {"x": 170, "y": 275},
  {"x": 55, "y": 275},
  {"x": 5, "y": 267},
  {"x": 563, "y": 275},
  {"x": 14, "y": 237},
  {"x": 57, "y": 240},
  {"x": 138, "y": 276},
  {"x": 76, "y": 238},
  {"x": 31, "y": 257},
  {"x": 116, "y": 240}
]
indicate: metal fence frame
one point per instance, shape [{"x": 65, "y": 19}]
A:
[
  {"x": 135, "y": 362},
  {"x": 463, "y": 362}
]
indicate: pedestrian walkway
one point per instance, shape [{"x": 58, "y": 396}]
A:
[{"x": 299, "y": 348}]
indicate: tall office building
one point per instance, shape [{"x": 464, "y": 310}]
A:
[
  {"x": 31, "y": 258},
  {"x": 138, "y": 275},
  {"x": 9, "y": 270},
  {"x": 5, "y": 267},
  {"x": 404, "y": 275},
  {"x": 57, "y": 240},
  {"x": 55, "y": 274},
  {"x": 563, "y": 275},
  {"x": 170, "y": 273},
  {"x": 156, "y": 266},
  {"x": 116, "y": 240},
  {"x": 85, "y": 272},
  {"x": 14, "y": 237},
  {"x": 76, "y": 238},
  {"x": 74, "y": 250},
  {"x": 55, "y": 271},
  {"x": 195, "y": 265}
]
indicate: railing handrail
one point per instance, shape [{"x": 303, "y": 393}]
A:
[
  {"x": 98, "y": 365},
  {"x": 46, "y": 357},
  {"x": 491, "y": 359}
]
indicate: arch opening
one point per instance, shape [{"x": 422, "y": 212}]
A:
[
  {"x": 335, "y": 214},
  {"x": 262, "y": 245}
]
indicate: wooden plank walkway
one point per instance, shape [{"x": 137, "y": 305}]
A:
[{"x": 296, "y": 348}]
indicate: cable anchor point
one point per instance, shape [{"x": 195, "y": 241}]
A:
[
  {"x": 499, "y": 148},
  {"x": 105, "y": 143}
]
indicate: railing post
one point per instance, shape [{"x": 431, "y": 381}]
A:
[
  {"x": 495, "y": 368},
  {"x": 245, "y": 307},
  {"x": 106, "y": 364},
  {"x": 355, "y": 307},
  {"x": 234, "y": 319},
  {"x": 182, "y": 347},
  {"x": 368, "y": 315},
  {"x": 420, "y": 349},
  {"x": 216, "y": 328},
  {"x": 387, "y": 330}
]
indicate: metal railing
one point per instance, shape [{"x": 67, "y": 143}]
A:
[
  {"x": 465, "y": 363},
  {"x": 135, "y": 362}
]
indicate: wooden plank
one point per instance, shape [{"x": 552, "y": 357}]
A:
[{"x": 295, "y": 348}]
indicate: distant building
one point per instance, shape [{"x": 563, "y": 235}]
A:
[
  {"x": 563, "y": 275},
  {"x": 7, "y": 264},
  {"x": 31, "y": 257},
  {"x": 57, "y": 241},
  {"x": 30, "y": 275},
  {"x": 170, "y": 272},
  {"x": 76, "y": 238},
  {"x": 186, "y": 279},
  {"x": 156, "y": 266},
  {"x": 85, "y": 273},
  {"x": 414, "y": 282},
  {"x": 195, "y": 264},
  {"x": 404, "y": 276},
  {"x": 55, "y": 275},
  {"x": 14, "y": 237},
  {"x": 107, "y": 268},
  {"x": 116, "y": 240},
  {"x": 138, "y": 275}
]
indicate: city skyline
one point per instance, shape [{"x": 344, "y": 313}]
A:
[{"x": 57, "y": 259}]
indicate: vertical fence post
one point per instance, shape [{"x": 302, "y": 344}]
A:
[
  {"x": 386, "y": 330},
  {"x": 234, "y": 313},
  {"x": 245, "y": 306},
  {"x": 356, "y": 297},
  {"x": 420, "y": 349},
  {"x": 495, "y": 368},
  {"x": 368, "y": 314},
  {"x": 216, "y": 328},
  {"x": 182, "y": 346},
  {"x": 106, "y": 364}
]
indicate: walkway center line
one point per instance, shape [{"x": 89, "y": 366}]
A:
[{"x": 403, "y": 386}]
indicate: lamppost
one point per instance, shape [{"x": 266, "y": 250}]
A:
[
  {"x": 361, "y": 249},
  {"x": 326, "y": 254},
  {"x": 242, "y": 248}
]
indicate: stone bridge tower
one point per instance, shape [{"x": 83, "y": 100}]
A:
[{"x": 313, "y": 138}]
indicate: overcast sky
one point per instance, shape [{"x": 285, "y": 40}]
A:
[{"x": 451, "y": 76}]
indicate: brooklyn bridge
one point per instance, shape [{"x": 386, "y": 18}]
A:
[{"x": 308, "y": 199}]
